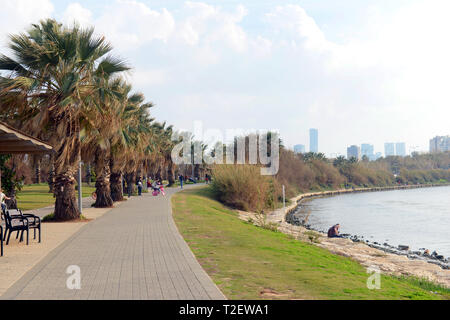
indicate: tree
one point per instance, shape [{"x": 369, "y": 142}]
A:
[{"x": 52, "y": 71}]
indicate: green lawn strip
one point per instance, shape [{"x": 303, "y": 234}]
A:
[
  {"x": 36, "y": 196},
  {"x": 249, "y": 262}
]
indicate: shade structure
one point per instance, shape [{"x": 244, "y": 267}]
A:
[{"x": 13, "y": 141}]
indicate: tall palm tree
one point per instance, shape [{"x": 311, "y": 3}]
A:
[
  {"x": 102, "y": 121},
  {"x": 52, "y": 72}
]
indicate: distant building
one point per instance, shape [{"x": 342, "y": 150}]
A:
[
  {"x": 400, "y": 149},
  {"x": 440, "y": 144},
  {"x": 367, "y": 150},
  {"x": 389, "y": 149},
  {"x": 299, "y": 148},
  {"x": 314, "y": 140},
  {"x": 354, "y": 152},
  {"x": 378, "y": 155}
]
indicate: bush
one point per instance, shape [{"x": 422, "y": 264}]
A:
[{"x": 242, "y": 187}]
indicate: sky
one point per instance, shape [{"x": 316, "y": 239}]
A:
[{"x": 360, "y": 71}]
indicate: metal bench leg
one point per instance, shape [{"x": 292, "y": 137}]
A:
[
  {"x": 9, "y": 235},
  {"x": 39, "y": 233},
  {"x": 34, "y": 233}
]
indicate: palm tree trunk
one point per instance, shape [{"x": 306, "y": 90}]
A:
[
  {"x": 129, "y": 178},
  {"x": 37, "y": 172},
  {"x": 115, "y": 182},
  {"x": 170, "y": 173},
  {"x": 197, "y": 171},
  {"x": 51, "y": 175},
  {"x": 158, "y": 173},
  {"x": 66, "y": 165},
  {"x": 116, "y": 188},
  {"x": 103, "y": 173},
  {"x": 88, "y": 174}
]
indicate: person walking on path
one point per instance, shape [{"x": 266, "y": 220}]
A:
[
  {"x": 139, "y": 185},
  {"x": 181, "y": 178}
]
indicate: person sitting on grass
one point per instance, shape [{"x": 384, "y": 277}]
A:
[{"x": 333, "y": 232}]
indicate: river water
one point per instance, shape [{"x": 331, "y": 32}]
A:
[{"x": 419, "y": 218}]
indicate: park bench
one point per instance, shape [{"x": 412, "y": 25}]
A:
[
  {"x": 34, "y": 222},
  {"x": 15, "y": 223},
  {"x": 21, "y": 223}
]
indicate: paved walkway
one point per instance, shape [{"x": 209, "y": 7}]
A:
[{"x": 132, "y": 252}]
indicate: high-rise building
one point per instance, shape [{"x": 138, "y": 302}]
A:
[
  {"x": 299, "y": 148},
  {"x": 400, "y": 149},
  {"x": 440, "y": 144},
  {"x": 378, "y": 155},
  {"x": 389, "y": 149},
  {"x": 354, "y": 152},
  {"x": 368, "y": 151},
  {"x": 313, "y": 140}
]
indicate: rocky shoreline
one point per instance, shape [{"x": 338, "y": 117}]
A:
[
  {"x": 389, "y": 259},
  {"x": 402, "y": 250}
]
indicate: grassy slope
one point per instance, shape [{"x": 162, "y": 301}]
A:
[
  {"x": 36, "y": 196},
  {"x": 243, "y": 260}
]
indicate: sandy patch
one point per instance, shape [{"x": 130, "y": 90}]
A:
[{"x": 18, "y": 258}]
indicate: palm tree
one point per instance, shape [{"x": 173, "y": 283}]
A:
[
  {"x": 162, "y": 155},
  {"x": 130, "y": 151},
  {"x": 52, "y": 72}
]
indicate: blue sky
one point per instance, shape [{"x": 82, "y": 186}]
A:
[{"x": 361, "y": 71}]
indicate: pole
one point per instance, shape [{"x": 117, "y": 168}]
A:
[
  {"x": 121, "y": 183},
  {"x": 284, "y": 199},
  {"x": 80, "y": 193}
]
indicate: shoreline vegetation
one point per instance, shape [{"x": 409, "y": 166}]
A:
[{"x": 248, "y": 261}]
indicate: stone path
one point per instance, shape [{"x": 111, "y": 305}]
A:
[{"x": 132, "y": 252}]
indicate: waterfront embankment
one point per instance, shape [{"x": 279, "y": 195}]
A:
[{"x": 389, "y": 261}]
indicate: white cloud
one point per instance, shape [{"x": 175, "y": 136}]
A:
[
  {"x": 75, "y": 12},
  {"x": 16, "y": 15},
  {"x": 127, "y": 24},
  {"x": 207, "y": 25},
  {"x": 291, "y": 22}
]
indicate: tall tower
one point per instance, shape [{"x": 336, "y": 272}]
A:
[
  {"x": 313, "y": 140},
  {"x": 389, "y": 149}
]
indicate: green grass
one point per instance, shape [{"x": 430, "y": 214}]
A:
[
  {"x": 36, "y": 196},
  {"x": 245, "y": 260}
]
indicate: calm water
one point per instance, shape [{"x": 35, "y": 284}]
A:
[{"x": 419, "y": 218}]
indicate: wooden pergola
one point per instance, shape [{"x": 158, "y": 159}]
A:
[{"x": 13, "y": 141}]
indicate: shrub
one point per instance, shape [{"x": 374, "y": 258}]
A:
[{"x": 241, "y": 186}]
